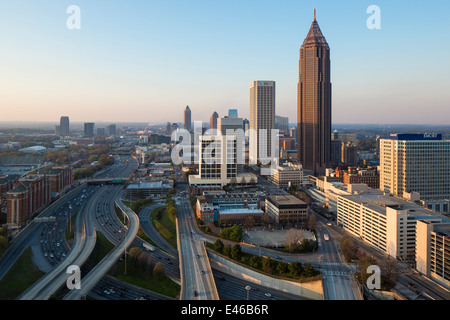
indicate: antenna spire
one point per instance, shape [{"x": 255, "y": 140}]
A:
[{"x": 314, "y": 14}]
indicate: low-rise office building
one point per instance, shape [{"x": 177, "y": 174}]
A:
[
  {"x": 287, "y": 209},
  {"x": 287, "y": 175},
  {"x": 235, "y": 207},
  {"x": 146, "y": 189}
]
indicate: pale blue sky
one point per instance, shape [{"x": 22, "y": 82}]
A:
[{"x": 147, "y": 60}]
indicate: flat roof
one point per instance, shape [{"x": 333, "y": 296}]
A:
[
  {"x": 239, "y": 211},
  {"x": 442, "y": 228},
  {"x": 286, "y": 200},
  {"x": 416, "y": 136},
  {"x": 379, "y": 202},
  {"x": 148, "y": 185}
]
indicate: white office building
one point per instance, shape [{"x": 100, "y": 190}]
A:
[
  {"x": 262, "y": 120},
  {"x": 416, "y": 163},
  {"x": 386, "y": 222}
]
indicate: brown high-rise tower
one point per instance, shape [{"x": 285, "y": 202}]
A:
[{"x": 314, "y": 102}]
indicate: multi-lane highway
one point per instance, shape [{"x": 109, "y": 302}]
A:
[
  {"x": 197, "y": 277},
  {"x": 84, "y": 243}
]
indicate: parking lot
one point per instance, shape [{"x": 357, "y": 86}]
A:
[{"x": 272, "y": 238}]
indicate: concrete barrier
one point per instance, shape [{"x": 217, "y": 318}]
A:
[
  {"x": 180, "y": 259},
  {"x": 210, "y": 274},
  {"x": 309, "y": 290}
]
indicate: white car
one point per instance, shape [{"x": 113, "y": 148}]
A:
[{"x": 268, "y": 295}]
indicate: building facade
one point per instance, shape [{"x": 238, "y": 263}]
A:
[
  {"x": 218, "y": 163},
  {"x": 415, "y": 163},
  {"x": 262, "y": 117},
  {"x": 232, "y": 207},
  {"x": 387, "y": 223},
  {"x": 433, "y": 251},
  {"x": 64, "y": 128},
  {"x": 287, "y": 175},
  {"x": 89, "y": 129},
  {"x": 59, "y": 179},
  {"x": 369, "y": 176},
  {"x": 29, "y": 195},
  {"x": 287, "y": 209},
  {"x": 282, "y": 124}
]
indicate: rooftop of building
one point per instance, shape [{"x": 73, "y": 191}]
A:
[
  {"x": 378, "y": 201},
  {"x": 33, "y": 149},
  {"x": 285, "y": 200},
  {"x": 5, "y": 179},
  {"x": 416, "y": 136},
  {"x": 148, "y": 185},
  {"x": 239, "y": 211},
  {"x": 21, "y": 160},
  {"x": 442, "y": 228}
]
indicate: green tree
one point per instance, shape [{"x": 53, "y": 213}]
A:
[
  {"x": 255, "y": 262},
  {"x": 232, "y": 233},
  {"x": 218, "y": 246},
  {"x": 3, "y": 243},
  {"x": 295, "y": 269},
  {"x": 226, "y": 250},
  {"x": 348, "y": 248},
  {"x": 282, "y": 268},
  {"x": 134, "y": 253},
  {"x": 236, "y": 252},
  {"x": 158, "y": 270},
  {"x": 309, "y": 271},
  {"x": 267, "y": 265}
]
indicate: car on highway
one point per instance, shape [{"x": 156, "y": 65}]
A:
[{"x": 268, "y": 295}]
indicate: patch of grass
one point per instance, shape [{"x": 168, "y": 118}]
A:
[
  {"x": 165, "y": 224},
  {"x": 120, "y": 216},
  {"x": 103, "y": 247},
  {"x": 141, "y": 234},
  {"x": 21, "y": 276},
  {"x": 145, "y": 279},
  {"x": 70, "y": 233}
]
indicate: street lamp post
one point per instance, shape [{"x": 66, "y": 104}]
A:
[{"x": 248, "y": 290}]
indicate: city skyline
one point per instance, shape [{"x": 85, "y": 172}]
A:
[{"x": 122, "y": 64}]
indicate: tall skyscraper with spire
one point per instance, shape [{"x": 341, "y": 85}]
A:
[
  {"x": 314, "y": 102},
  {"x": 187, "y": 119}
]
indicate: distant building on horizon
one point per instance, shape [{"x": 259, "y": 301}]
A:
[
  {"x": 64, "y": 129},
  {"x": 282, "y": 124},
  {"x": 101, "y": 132},
  {"x": 213, "y": 120},
  {"x": 314, "y": 102},
  {"x": 187, "y": 119},
  {"x": 89, "y": 129},
  {"x": 111, "y": 130}
]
